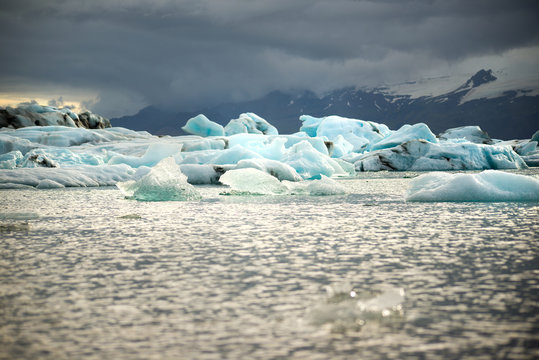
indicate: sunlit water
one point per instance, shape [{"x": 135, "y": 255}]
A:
[{"x": 85, "y": 273}]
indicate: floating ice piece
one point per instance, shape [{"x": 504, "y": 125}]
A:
[
  {"x": 521, "y": 147},
  {"x": 253, "y": 181},
  {"x": 164, "y": 182},
  {"x": 10, "y": 143},
  {"x": 155, "y": 153},
  {"x": 420, "y": 155},
  {"x": 59, "y": 157},
  {"x": 404, "y": 134},
  {"x": 340, "y": 147},
  {"x": 202, "y": 126},
  {"x": 250, "y": 123},
  {"x": 488, "y": 186},
  {"x": 358, "y": 133},
  {"x": 269, "y": 147},
  {"x": 196, "y": 143},
  {"x": 76, "y": 176},
  {"x": 472, "y": 134},
  {"x": 202, "y": 174},
  {"x": 311, "y": 164},
  {"x": 62, "y": 136},
  {"x": 322, "y": 187},
  {"x": 275, "y": 168},
  {"x": 10, "y": 160}
]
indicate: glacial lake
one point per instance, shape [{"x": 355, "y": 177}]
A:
[{"x": 85, "y": 273}]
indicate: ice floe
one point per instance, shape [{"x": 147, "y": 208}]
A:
[{"x": 488, "y": 186}]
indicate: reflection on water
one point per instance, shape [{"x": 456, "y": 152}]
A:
[{"x": 363, "y": 275}]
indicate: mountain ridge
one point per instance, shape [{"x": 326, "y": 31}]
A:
[{"x": 508, "y": 115}]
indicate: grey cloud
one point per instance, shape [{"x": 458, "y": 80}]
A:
[{"x": 186, "y": 53}]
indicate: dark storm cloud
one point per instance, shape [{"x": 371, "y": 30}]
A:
[{"x": 184, "y": 53}]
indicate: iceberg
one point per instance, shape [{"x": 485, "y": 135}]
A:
[
  {"x": 275, "y": 168},
  {"x": 250, "y": 123},
  {"x": 472, "y": 134},
  {"x": 331, "y": 146},
  {"x": 321, "y": 187},
  {"x": 358, "y": 133},
  {"x": 487, "y": 186},
  {"x": 202, "y": 126},
  {"x": 33, "y": 114},
  {"x": 405, "y": 134},
  {"x": 421, "y": 155},
  {"x": 164, "y": 182},
  {"x": 76, "y": 176},
  {"x": 155, "y": 153},
  {"x": 253, "y": 181},
  {"x": 311, "y": 164}
]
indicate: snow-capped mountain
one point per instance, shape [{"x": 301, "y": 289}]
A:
[{"x": 505, "y": 108}]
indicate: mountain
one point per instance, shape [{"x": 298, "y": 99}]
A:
[{"x": 506, "y": 109}]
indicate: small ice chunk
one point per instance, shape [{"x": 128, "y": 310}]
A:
[
  {"x": 202, "y": 126},
  {"x": 164, "y": 182},
  {"x": 322, "y": 187},
  {"x": 489, "y": 185},
  {"x": 253, "y": 181}
]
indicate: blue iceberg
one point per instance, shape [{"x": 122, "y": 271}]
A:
[
  {"x": 488, "y": 186},
  {"x": 201, "y": 125}
]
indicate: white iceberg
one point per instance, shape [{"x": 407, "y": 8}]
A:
[
  {"x": 488, "y": 186},
  {"x": 164, "y": 182},
  {"x": 472, "y": 134}
]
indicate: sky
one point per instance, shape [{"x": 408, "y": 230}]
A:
[{"x": 115, "y": 57}]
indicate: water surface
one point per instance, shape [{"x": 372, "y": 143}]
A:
[{"x": 85, "y": 273}]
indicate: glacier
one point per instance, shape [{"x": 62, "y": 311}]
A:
[
  {"x": 487, "y": 186},
  {"x": 323, "y": 148}
]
